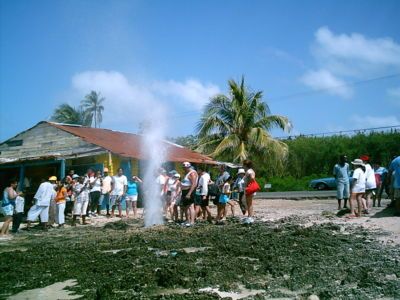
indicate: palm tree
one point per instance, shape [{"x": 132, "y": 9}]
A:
[
  {"x": 67, "y": 114},
  {"x": 92, "y": 104},
  {"x": 236, "y": 126}
]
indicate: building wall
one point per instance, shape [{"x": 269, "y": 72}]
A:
[{"x": 44, "y": 140}]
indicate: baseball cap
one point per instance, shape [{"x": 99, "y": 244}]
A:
[
  {"x": 53, "y": 178},
  {"x": 75, "y": 176},
  {"x": 186, "y": 164}
]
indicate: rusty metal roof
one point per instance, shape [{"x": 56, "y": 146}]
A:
[{"x": 129, "y": 144}]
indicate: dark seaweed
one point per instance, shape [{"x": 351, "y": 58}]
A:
[{"x": 316, "y": 260}]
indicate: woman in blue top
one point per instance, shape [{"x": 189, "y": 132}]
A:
[
  {"x": 7, "y": 205},
  {"x": 132, "y": 195}
]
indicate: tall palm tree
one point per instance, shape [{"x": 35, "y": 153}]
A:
[
  {"x": 92, "y": 104},
  {"x": 236, "y": 126},
  {"x": 68, "y": 114}
]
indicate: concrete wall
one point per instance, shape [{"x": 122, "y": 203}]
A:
[{"x": 44, "y": 140}]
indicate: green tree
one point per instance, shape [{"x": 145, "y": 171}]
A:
[
  {"x": 68, "y": 114},
  {"x": 92, "y": 105},
  {"x": 236, "y": 126}
]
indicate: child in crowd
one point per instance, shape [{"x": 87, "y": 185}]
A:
[
  {"x": 224, "y": 199},
  {"x": 61, "y": 199}
]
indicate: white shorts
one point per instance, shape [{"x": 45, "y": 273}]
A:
[
  {"x": 80, "y": 207},
  {"x": 132, "y": 198},
  {"x": 36, "y": 211}
]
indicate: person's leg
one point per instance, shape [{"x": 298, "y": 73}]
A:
[
  {"x": 119, "y": 200},
  {"x": 360, "y": 203},
  {"x": 128, "y": 206},
  {"x": 6, "y": 224},
  {"x": 17, "y": 219},
  {"x": 73, "y": 220},
  {"x": 98, "y": 203},
  {"x": 339, "y": 194},
  {"x": 84, "y": 207},
  {"x": 249, "y": 202},
  {"x": 44, "y": 216},
  {"x": 61, "y": 215},
  {"x": 352, "y": 202},
  {"x": 396, "y": 195},
  {"x": 134, "y": 207},
  {"x": 33, "y": 214}
]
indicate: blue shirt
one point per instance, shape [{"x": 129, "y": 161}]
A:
[
  {"x": 341, "y": 173},
  {"x": 395, "y": 166},
  {"x": 132, "y": 189}
]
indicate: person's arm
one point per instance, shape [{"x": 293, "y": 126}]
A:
[
  {"x": 193, "y": 177},
  {"x": 138, "y": 179},
  {"x": 11, "y": 193}
]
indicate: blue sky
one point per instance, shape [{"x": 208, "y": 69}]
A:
[{"x": 176, "y": 54}]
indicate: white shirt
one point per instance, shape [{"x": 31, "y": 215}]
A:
[
  {"x": 119, "y": 183},
  {"x": 359, "y": 183},
  {"x": 95, "y": 183},
  {"x": 106, "y": 186},
  {"x": 370, "y": 177},
  {"x": 19, "y": 204},
  {"x": 202, "y": 186},
  {"x": 45, "y": 194}
]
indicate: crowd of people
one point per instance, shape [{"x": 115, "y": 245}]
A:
[
  {"x": 184, "y": 199},
  {"x": 365, "y": 186}
]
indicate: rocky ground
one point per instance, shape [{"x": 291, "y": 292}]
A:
[{"x": 294, "y": 250}]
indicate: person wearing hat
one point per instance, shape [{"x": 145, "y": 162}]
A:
[
  {"x": 370, "y": 183},
  {"x": 238, "y": 187},
  {"x": 105, "y": 191},
  {"x": 357, "y": 188},
  {"x": 43, "y": 198},
  {"x": 188, "y": 185},
  {"x": 173, "y": 194}
]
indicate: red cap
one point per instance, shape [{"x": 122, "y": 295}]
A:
[{"x": 364, "y": 157}]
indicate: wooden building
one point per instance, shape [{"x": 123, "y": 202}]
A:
[{"x": 52, "y": 149}]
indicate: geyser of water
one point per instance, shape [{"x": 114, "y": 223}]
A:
[{"x": 154, "y": 151}]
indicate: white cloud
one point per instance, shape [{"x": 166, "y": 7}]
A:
[
  {"x": 323, "y": 79},
  {"x": 371, "y": 121},
  {"x": 129, "y": 101},
  {"x": 191, "y": 91},
  {"x": 350, "y": 57},
  {"x": 357, "y": 47}
]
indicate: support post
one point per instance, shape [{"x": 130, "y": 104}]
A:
[
  {"x": 21, "y": 177},
  {"x": 62, "y": 169}
]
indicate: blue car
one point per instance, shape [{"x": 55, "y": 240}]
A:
[
  {"x": 323, "y": 183},
  {"x": 328, "y": 183}
]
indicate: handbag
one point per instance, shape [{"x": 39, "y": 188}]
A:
[{"x": 252, "y": 188}]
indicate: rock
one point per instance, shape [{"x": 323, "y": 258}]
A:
[
  {"x": 391, "y": 277},
  {"x": 313, "y": 297}
]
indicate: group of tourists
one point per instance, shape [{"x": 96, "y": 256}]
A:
[
  {"x": 364, "y": 188},
  {"x": 185, "y": 199}
]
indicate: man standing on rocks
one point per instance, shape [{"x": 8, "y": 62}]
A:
[
  {"x": 43, "y": 197},
  {"x": 341, "y": 173}
]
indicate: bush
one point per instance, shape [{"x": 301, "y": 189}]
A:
[{"x": 289, "y": 183}]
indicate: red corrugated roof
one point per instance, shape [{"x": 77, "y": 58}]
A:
[{"x": 129, "y": 144}]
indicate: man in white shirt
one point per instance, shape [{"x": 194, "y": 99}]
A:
[
  {"x": 201, "y": 200},
  {"x": 43, "y": 197},
  {"x": 105, "y": 191},
  {"x": 119, "y": 186}
]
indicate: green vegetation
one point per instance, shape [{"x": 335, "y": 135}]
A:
[
  {"x": 281, "y": 258},
  {"x": 90, "y": 110},
  {"x": 236, "y": 127}
]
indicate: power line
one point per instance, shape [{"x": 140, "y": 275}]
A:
[
  {"x": 305, "y": 93},
  {"x": 339, "y": 132}
]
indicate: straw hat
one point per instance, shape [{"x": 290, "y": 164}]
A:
[{"x": 358, "y": 162}]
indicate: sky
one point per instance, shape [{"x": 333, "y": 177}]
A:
[{"x": 326, "y": 65}]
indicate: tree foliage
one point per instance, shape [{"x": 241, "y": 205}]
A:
[
  {"x": 92, "y": 105},
  {"x": 236, "y": 126},
  {"x": 68, "y": 114},
  {"x": 318, "y": 155},
  {"x": 90, "y": 110}
]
